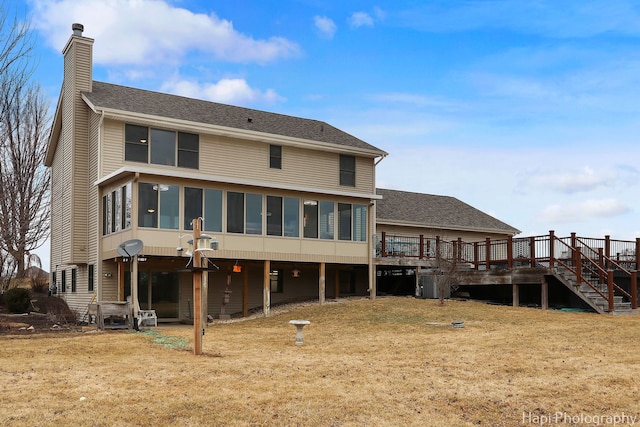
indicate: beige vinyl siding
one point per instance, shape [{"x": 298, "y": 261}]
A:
[
  {"x": 445, "y": 234},
  {"x": 80, "y": 177},
  {"x": 112, "y": 146},
  {"x": 300, "y": 167},
  {"x": 57, "y": 204},
  {"x": 249, "y": 160}
]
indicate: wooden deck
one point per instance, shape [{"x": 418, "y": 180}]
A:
[{"x": 602, "y": 272}]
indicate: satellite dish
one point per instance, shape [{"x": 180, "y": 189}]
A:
[{"x": 130, "y": 248}]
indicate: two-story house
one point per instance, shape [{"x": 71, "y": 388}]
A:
[{"x": 290, "y": 201}]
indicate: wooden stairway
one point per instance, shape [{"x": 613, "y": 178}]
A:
[{"x": 595, "y": 294}]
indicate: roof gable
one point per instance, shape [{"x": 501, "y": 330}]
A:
[{"x": 428, "y": 210}]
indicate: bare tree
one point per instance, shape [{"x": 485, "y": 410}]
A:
[
  {"x": 24, "y": 181},
  {"x": 447, "y": 263}
]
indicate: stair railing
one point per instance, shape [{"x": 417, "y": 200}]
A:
[{"x": 598, "y": 269}]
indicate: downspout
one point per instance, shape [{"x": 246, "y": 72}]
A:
[
  {"x": 98, "y": 273},
  {"x": 372, "y": 235}
]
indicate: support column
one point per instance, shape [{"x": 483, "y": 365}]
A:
[
  {"x": 417, "y": 291},
  {"x": 544, "y": 295},
  {"x": 266, "y": 290},
  {"x": 321, "y": 283},
  {"x": 245, "y": 292},
  {"x": 516, "y": 295}
]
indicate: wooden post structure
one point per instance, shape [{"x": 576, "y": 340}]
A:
[
  {"x": 602, "y": 265},
  {"x": 383, "y": 246},
  {"x": 245, "y": 292},
  {"x": 634, "y": 289},
  {"x": 322, "y": 283},
  {"x": 421, "y": 248},
  {"x": 532, "y": 252},
  {"x": 266, "y": 288},
  {"x": 552, "y": 242},
  {"x": 198, "y": 331},
  {"x": 610, "y": 290},
  {"x": 510, "y": 252},
  {"x": 516, "y": 294},
  {"x": 544, "y": 295},
  {"x": 476, "y": 261},
  {"x": 637, "y": 253},
  {"x": 487, "y": 252}
]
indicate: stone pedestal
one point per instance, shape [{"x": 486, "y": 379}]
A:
[{"x": 299, "y": 324}]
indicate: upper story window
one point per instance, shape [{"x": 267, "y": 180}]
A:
[
  {"x": 161, "y": 147},
  {"x": 275, "y": 157},
  {"x": 347, "y": 170}
]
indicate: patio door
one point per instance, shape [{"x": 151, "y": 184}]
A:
[{"x": 159, "y": 291}]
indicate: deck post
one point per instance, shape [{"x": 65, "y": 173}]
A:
[
  {"x": 487, "y": 252},
  {"x": 607, "y": 249},
  {"x": 610, "y": 290},
  {"x": 577, "y": 259},
  {"x": 383, "y": 246},
  {"x": 476, "y": 262},
  {"x": 266, "y": 288},
  {"x": 573, "y": 240},
  {"x": 458, "y": 250},
  {"x": 637, "y": 253},
  {"x": 602, "y": 266},
  {"x": 634, "y": 289},
  {"x": 322, "y": 283},
  {"x": 509, "y": 252},
  {"x": 421, "y": 249},
  {"x": 532, "y": 251},
  {"x": 544, "y": 295},
  {"x": 515, "y": 288},
  {"x": 552, "y": 241}
]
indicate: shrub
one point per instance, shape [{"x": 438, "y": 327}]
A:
[{"x": 17, "y": 300}]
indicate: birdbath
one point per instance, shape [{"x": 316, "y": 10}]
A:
[{"x": 299, "y": 324}]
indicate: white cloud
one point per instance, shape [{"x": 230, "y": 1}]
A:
[
  {"x": 582, "y": 211},
  {"x": 152, "y": 31},
  {"x": 325, "y": 26},
  {"x": 573, "y": 181},
  {"x": 231, "y": 91},
  {"x": 360, "y": 19}
]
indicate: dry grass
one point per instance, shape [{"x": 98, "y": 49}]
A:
[{"x": 393, "y": 361}]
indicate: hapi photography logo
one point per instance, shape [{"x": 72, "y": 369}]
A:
[{"x": 558, "y": 418}]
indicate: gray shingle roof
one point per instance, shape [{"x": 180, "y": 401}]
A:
[
  {"x": 110, "y": 96},
  {"x": 435, "y": 211}
]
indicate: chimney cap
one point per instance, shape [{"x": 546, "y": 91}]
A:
[{"x": 77, "y": 29}]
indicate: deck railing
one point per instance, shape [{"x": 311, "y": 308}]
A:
[{"x": 586, "y": 258}]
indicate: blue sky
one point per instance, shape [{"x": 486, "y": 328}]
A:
[{"x": 527, "y": 110}]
